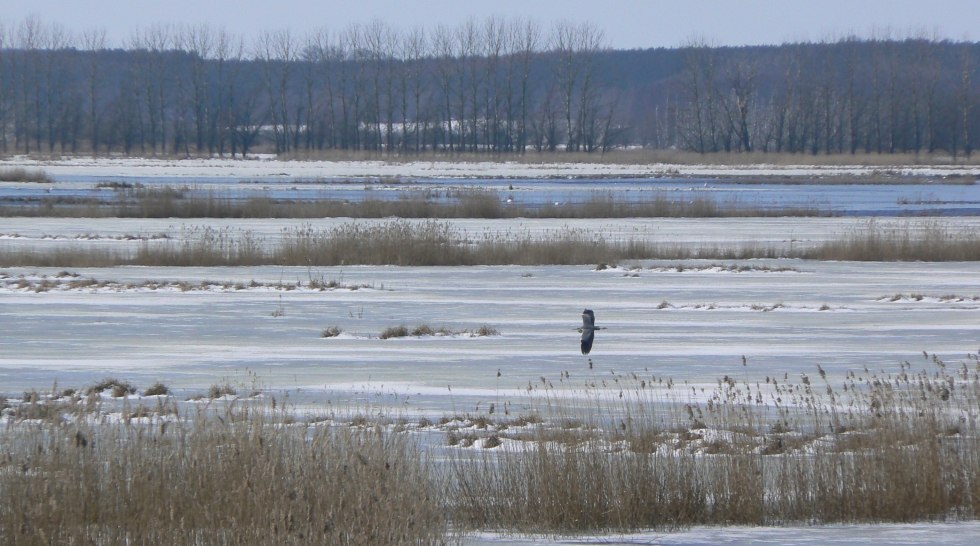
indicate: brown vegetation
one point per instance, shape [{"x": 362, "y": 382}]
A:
[
  {"x": 170, "y": 202},
  {"x": 426, "y": 330},
  {"x": 18, "y": 174},
  {"x": 238, "y": 477},
  {"x": 430, "y": 242},
  {"x": 929, "y": 242},
  {"x": 644, "y": 453},
  {"x": 900, "y": 447}
]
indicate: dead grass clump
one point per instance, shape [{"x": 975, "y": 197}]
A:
[
  {"x": 424, "y": 330},
  {"x": 394, "y": 331},
  {"x": 217, "y": 391},
  {"x": 486, "y": 330},
  {"x": 156, "y": 389},
  {"x": 20, "y": 174},
  {"x": 331, "y": 331},
  {"x": 118, "y": 388}
]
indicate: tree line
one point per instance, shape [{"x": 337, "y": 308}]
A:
[{"x": 497, "y": 86}]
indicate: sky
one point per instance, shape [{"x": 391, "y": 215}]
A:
[{"x": 627, "y": 24}]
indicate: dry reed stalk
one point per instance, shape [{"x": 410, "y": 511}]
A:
[{"x": 247, "y": 477}]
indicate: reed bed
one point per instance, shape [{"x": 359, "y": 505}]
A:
[
  {"x": 591, "y": 453},
  {"x": 876, "y": 448},
  {"x": 20, "y": 174},
  {"x": 923, "y": 241},
  {"x": 431, "y": 242},
  {"x": 395, "y": 242},
  {"x": 234, "y": 475},
  {"x": 181, "y": 202}
]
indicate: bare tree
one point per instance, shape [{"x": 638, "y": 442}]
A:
[
  {"x": 352, "y": 84},
  {"x": 318, "y": 89},
  {"x": 5, "y": 71},
  {"x": 470, "y": 80},
  {"x": 699, "y": 84},
  {"x": 27, "y": 114},
  {"x": 152, "y": 70},
  {"x": 94, "y": 41},
  {"x": 444, "y": 44},
  {"x": 741, "y": 81},
  {"x": 199, "y": 41},
  {"x": 228, "y": 52},
  {"x": 494, "y": 38},
  {"x": 413, "y": 86},
  {"x": 525, "y": 38},
  {"x": 563, "y": 43},
  {"x": 277, "y": 50},
  {"x": 380, "y": 41},
  {"x": 964, "y": 100}
]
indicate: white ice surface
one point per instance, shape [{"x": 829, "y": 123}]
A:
[
  {"x": 711, "y": 319},
  {"x": 193, "y": 339},
  {"x": 947, "y": 534}
]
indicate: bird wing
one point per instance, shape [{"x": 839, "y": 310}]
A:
[
  {"x": 588, "y": 335},
  {"x": 588, "y": 319}
]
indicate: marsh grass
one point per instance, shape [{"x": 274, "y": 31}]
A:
[
  {"x": 424, "y": 330},
  {"x": 431, "y": 242},
  {"x": 219, "y": 390},
  {"x": 241, "y": 476},
  {"x": 116, "y": 388},
  {"x": 592, "y": 453},
  {"x": 879, "y": 447},
  {"x": 19, "y": 174},
  {"x": 915, "y": 241},
  {"x": 138, "y": 201},
  {"x": 156, "y": 389}
]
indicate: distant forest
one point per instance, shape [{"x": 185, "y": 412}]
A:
[{"x": 495, "y": 86}]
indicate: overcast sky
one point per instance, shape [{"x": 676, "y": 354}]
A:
[{"x": 626, "y": 23}]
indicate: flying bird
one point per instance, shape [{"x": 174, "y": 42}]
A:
[{"x": 588, "y": 330}]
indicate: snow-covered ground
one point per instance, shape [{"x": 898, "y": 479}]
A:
[
  {"x": 953, "y": 534},
  {"x": 691, "y": 321},
  {"x": 264, "y": 167}
]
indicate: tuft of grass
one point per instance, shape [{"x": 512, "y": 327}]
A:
[
  {"x": 486, "y": 330},
  {"x": 393, "y": 331},
  {"x": 118, "y": 388},
  {"x": 331, "y": 331},
  {"x": 423, "y": 330},
  {"x": 156, "y": 389},
  {"x": 217, "y": 391}
]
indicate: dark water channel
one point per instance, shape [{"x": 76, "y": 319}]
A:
[{"x": 838, "y": 199}]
